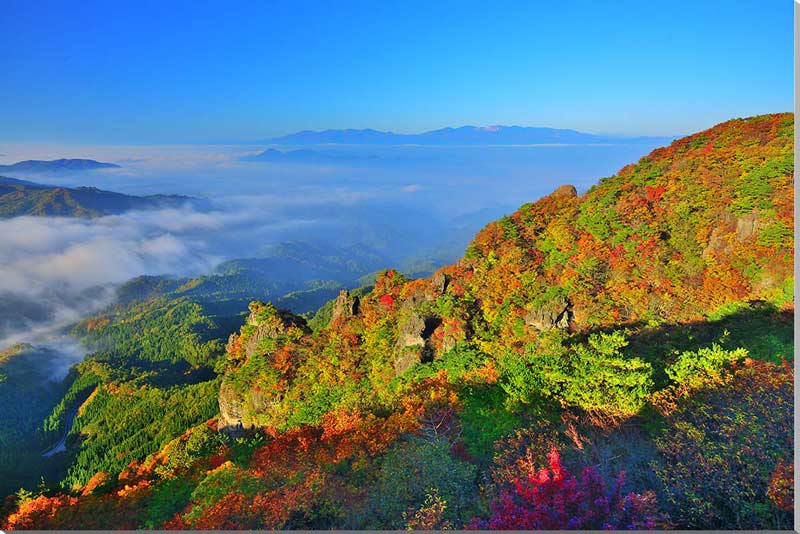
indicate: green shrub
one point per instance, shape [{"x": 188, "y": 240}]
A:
[
  {"x": 413, "y": 470},
  {"x": 602, "y": 379},
  {"x": 694, "y": 369}
]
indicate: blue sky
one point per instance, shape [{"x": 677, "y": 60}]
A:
[{"x": 172, "y": 72}]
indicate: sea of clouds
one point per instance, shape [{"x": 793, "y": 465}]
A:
[{"x": 56, "y": 270}]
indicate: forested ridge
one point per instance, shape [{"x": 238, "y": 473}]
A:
[
  {"x": 21, "y": 197},
  {"x": 618, "y": 359}
]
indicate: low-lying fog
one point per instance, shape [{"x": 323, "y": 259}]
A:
[{"x": 404, "y": 202}]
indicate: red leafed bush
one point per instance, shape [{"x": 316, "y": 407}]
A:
[
  {"x": 554, "y": 499},
  {"x": 387, "y": 300},
  {"x": 654, "y": 193}
]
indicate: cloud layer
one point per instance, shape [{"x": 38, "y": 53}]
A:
[{"x": 55, "y": 270}]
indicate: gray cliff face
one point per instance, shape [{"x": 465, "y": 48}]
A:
[
  {"x": 555, "y": 314},
  {"x": 729, "y": 230},
  {"x": 345, "y": 306},
  {"x": 230, "y": 411},
  {"x": 417, "y": 325},
  {"x": 237, "y": 412}
]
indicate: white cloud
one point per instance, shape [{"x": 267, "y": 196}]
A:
[{"x": 50, "y": 262}]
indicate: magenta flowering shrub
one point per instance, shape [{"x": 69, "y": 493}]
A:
[{"x": 554, "y": 499}]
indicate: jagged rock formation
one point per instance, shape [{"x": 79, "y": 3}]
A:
[
  {"x": 258, "y": 343},
  {"x": 417, "y": 324},
  {"x": 345, "y": 306},
  {"x": 555, "y": 314},
  {"x": 439, "y": 282}
]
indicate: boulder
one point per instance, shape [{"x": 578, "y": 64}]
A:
[{"x": 565, "y": 191}]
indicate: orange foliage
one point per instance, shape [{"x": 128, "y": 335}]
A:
[
  {"x": 781, "y": 486},
  {"x": 39, "y": 513}
]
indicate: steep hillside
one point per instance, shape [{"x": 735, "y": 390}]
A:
[
  {"x": 642, "y": 328},
  {"x": 691, "y": 227},
  {"x": 682, "y": 236},
  {"x": 20, "y": 197}
]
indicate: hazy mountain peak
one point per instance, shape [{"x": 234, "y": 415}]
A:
[
  {"x": 57, "y": 165},
  {"x": 462, "y": 135}
]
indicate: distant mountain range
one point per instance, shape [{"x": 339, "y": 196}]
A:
[
  {"x": 465, "y": 135},
  {"x": 21, "y": 197},
  {"x": 58, "y": 165},
  {"x": 272, "y": 155}
]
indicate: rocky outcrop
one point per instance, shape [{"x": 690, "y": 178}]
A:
[
  {"x": 417, "y": 323},
  {"x": 409, "y": 342},
  {"x": 439, "y": 283},
  {"x": 565, "y": 191},
  {"x": 261, "y": 333},
  {"x": 237, "y": 411},
  {"x": 239, "y": 404},
  {"x": 414, "y": 341},
  {"x": 274, "y": 321},
  {"x": 747, "y": 226},
  {"x": 405, "y": 360},
  {"x": 729, "y": 230},
  {"x": 230, "y": 411},
  {"x": 345, "y": 306},
  {"x": 409, "y": 333},
  {"x": 555, "y": 314}
]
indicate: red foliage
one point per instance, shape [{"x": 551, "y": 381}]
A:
[
  {"x": 554, "y": 499},
  {"x": 387, "y": 300},
  {"x": 654, "y": 193},
  {"x": 781, "y": 486}
]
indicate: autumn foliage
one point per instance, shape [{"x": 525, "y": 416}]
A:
[
  {"x": 499, "y": 392},
  {"x": 553, "y": 499}
]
